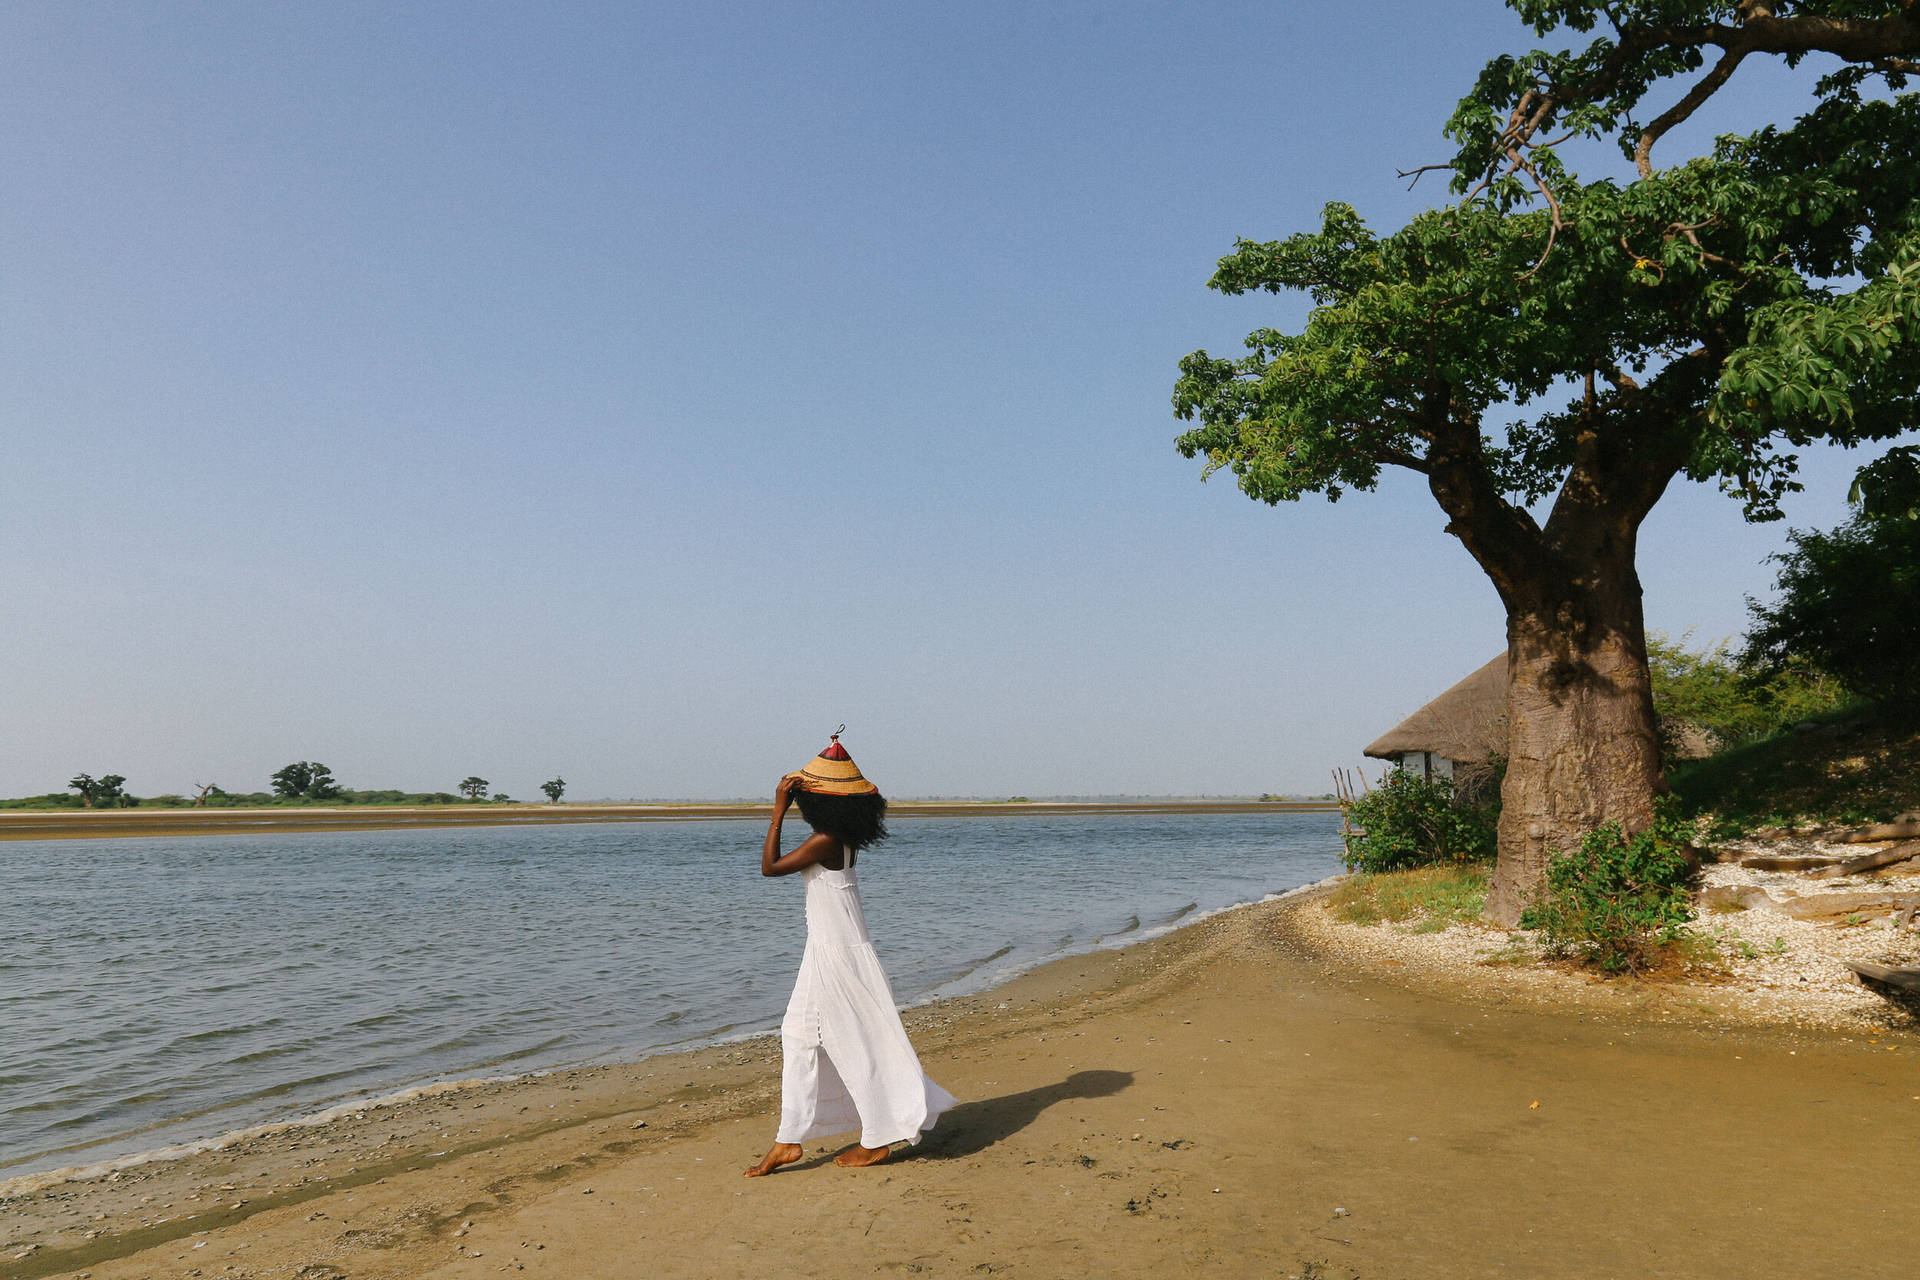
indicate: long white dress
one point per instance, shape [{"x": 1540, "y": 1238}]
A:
[{"x": 847, "y": 1063}]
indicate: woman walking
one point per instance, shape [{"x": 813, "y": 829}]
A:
[{"x": 847, "y": 1063}]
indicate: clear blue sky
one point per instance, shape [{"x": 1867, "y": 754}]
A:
[{"x": 635, "y": 392}]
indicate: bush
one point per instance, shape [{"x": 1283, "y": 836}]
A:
[
  {"x": 1849, "y": 604},
  {"x": 1735, "y": 701},
  {"x": 1409, "y": 822},
  {"x": 1617, "y": 900}
]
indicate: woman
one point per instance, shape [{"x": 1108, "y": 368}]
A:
[{"x": 847, "y": 1063}]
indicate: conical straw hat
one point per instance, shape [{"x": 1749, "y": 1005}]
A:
[{"x": 833, "y": 772}]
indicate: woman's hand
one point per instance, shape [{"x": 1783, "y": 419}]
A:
[{"x": 784, "y": 789}]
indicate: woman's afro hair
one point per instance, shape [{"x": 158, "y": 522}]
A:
[{"x": 855, "y": 821}]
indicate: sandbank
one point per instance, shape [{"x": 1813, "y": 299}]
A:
[{"x": 1229, "y": 1099}]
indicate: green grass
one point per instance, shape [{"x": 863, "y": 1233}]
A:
[
  {"x": 1430, "y": 898},
  {"x": 1857, "y": 765}
]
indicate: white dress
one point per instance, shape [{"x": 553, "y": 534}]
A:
[{"x": 847, "y": 1063}]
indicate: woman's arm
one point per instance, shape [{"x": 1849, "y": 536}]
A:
[{"x": 811, "y": 850}]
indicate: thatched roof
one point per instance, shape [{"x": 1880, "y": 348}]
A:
[{"x": 1467, "y": 723}]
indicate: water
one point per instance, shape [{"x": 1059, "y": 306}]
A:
[{"x": 154, "y": 991}]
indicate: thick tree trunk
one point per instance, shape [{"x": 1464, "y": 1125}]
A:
[{"x": 1582, "y": 747}]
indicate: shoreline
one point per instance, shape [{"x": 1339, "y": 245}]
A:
[
  {"x": 18, "y": 1183},
  {"x": 68, "y": 824},
  {"x": 1226, "y": 1094}
]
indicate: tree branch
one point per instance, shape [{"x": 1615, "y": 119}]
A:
[
  {"x": 1888, "y": 45},
  {"x": 1708, "y": 85}
]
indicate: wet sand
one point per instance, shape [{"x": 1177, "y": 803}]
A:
[
  {"x": 67, "y": 824},
  {"x": 1219, "y": 1101}
]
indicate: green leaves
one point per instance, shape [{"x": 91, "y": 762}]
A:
[
  {"x": 1849, "y": 602},
  {"x": 1618, "y": 898},
  {"x": 1728, "y": 312},
  {"x": 305, "y": 780},
  {"x": 1407, "y": 821}
]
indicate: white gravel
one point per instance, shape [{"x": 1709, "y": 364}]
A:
[{"x": 1767, "y": 967}]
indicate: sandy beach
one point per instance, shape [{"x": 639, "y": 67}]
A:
[{"x": 1230, "y": 1099}]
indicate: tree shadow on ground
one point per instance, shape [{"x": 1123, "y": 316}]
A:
[{"x": 972, "y": 1127}]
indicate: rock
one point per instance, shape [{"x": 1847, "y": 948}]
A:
[
  {"x": 1837, "y": 906},
  {"x": 1743, "y": 897},
  {"x": 1911, "y": 867},
  {"x": 1788, "y": 862}
]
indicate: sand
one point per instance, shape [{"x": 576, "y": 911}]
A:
[{"x": 1227, "y": 1100}]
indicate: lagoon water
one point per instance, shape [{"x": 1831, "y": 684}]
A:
[{"x": 153, "y": 991}]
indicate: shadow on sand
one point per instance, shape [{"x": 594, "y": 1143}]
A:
[{"x": 972, "y": 1127}]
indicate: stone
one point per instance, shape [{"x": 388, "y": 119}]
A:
[
  {"x": 1838, "y": 906},
  {"x": 1746, "y": 897}
]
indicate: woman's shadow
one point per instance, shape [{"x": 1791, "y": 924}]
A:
[{"x": 972, "y": 1127}]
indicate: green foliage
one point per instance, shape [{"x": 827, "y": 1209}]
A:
[
  {"x": 474, "y": 788},
  {"x": 555, "y": 788},
  {"x": 1712, "y": 689},
  {"x": 1848, "y": 767},
  {"x": 219, "y": 799},
  {"x": 1406, "y": 821},
  {"x": 1431, "y": 897},
  {"x": 1849, "y": 602},
  {"x": 50, "y": 800},
  {"x": 305, "y": 779},
  {"x": 1618, "y": 898},
  {"x": 105, "y": 792},
  {"x": 1889, "y": 486},
  {"x": 1462, "y": 299}
]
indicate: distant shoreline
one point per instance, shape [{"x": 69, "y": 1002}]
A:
[{"x": 69, "y": 824}]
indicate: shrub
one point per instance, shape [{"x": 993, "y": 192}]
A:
[
  {"x": 1849, "y": 604},
  {"x": 1729, "y": 698},
  {"x": 1407, "y": 821},
  {"x": 1618, "y": 899}
]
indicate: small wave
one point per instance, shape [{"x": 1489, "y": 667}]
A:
[
  {"x": 1133, "y": 922},
  {"x": 967, "y": 968}
]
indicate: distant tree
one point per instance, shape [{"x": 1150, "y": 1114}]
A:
[
  {"x": 305, "y": 779},
  {"x": 555, "y": 788},
  {"x": 204, "y": 788},
  {"x": 103, "y": 792},
  {"x": 474, "y": 788},
  {"x": 502, "y": 798}
]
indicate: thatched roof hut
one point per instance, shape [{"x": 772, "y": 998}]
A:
[{"x": 1465, "y": 725}]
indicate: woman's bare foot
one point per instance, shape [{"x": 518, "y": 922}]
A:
[
  {"x": 861, "y": 1157},
  {"x": 781, "y": 1153}
]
